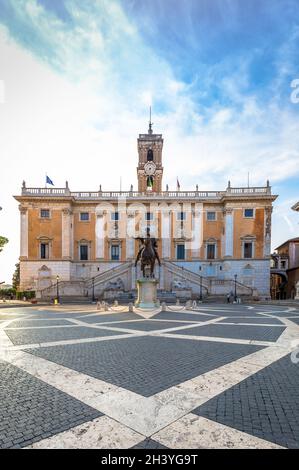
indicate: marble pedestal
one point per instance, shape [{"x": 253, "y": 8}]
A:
[{"x": 147, "y": 293}]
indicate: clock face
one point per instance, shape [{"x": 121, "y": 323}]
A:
[{"x": 149, "y": 168}]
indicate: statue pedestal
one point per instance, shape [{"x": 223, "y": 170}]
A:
[{"x": 147, "y": 293}]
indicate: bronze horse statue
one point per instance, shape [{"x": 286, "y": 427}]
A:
[{"x": 148, "y": 254}]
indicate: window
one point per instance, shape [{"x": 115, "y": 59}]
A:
[
  {"x": 84, "y": 216},
  {"x": 211, "y": 251},
  {"x": 211, "y": 215},
  {"x": 248, "y": 213},
  {"x": 150, "y": 155},
  {"x": 115, "y": 252},
  {"x": 248, "y": 249},
  {"x": 45, "y": 213},
  {"x": 149, "y": 216},
  {"x": 44, "y": 250},
  {"x": 180, "y": 251},
  {"x": 181, "y": 216},
  {"x": 83, "y": 252},
  {"x": 115, "y": 216}
]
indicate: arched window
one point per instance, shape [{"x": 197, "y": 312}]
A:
[{"x": 150, "y": 155}]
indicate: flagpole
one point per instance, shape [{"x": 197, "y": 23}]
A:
[{"x": 46, "y": 181}]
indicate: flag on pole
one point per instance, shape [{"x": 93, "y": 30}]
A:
[
  {"x": 177, "y": 184},
  {"x": 49, "y": 181}
]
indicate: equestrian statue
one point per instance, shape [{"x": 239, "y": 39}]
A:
[{"x": 148, "y": 253}]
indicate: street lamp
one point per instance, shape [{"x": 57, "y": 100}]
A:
[
  {"x": 235, "y": 276},
  {"x": 57, "y": 288},
  {"x": 93, "y": 297},
  {"x": 200, "y": 294}
]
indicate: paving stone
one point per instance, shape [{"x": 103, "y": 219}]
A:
[
  {"x": 148, "y": 325},
  {"x": 145, "y": 365},
  {"x": 24, "y": 395},
  {"x": 32, "y": 323},
  {"x": 183, "y": 316},
  {"x": 256, "y": 319},
  {"x": 5, "y": 317},
  {"x": 258, "y": 333},
  {"x": 149, "y": 444},
  {"x": 19, "y": 337},
  {"x": 111, "y": 317},
  {"x": 274, "y": 417}
]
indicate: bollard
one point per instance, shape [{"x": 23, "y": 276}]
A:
[
  {"x": 164, "y": 307},
  {"x": 194, "y": 304},
  {"x": 158, "y": 303},
  {"x": 131, "y": 307},
  {"x": 188, "y": 304},
  {"x": 178, "y": 302},
  {"x": 115, "y": 303}
]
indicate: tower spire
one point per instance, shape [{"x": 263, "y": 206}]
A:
[{"x": 150, "y": 130}]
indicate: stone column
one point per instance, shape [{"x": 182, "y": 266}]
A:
[
  {"x": 267, "y": 237},
  {"x": 229, "y": 233},
  {"x": 66, "y": 235},
  {"x": 166, "y": 233},
  {"x": 24, "y": 232},
  {"x": 130, "y": 232},
  {"x": 197, "y": 234},
  {"x": 100, "y": 235}
]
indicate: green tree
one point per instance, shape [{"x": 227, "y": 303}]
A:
[
  {"x": 16, "y": 277},
  {"x": 3, "y": 241}
]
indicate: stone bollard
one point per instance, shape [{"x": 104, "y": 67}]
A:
[
  {"x": 178, "y": 302},
  {"x": 98, "y": 305},
  {"x": 115, "y": 303},
  {"x": 164, "y": 307},
  {"x": 158, "y": 303},
  {"x": 194, "y": 304},
  {"x": 188, "y": 304},
  {"x": 131, "y": 307}
]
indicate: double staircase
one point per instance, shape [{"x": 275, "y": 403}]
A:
[
  {"x": 81, "y": 291},
  {"x": 187, "y": 275}
]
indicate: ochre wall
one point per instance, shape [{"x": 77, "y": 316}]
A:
[{"x": 50, "y": 228}]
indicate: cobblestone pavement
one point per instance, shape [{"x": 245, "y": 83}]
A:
[{"x": 218, "y": 376}]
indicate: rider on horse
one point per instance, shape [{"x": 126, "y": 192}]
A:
[{"x": 148, "y": 252}]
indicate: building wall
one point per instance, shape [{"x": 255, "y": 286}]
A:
[{"x": 65, "y": 231}]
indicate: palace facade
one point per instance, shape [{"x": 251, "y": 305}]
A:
[{"x": 209, "y": 242}]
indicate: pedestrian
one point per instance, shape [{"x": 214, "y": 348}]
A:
[{"x": 228, "y": 298}]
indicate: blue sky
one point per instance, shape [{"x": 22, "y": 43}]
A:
[{"x": 79, "y": 78}]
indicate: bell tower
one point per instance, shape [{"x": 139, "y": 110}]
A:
[{"x": 150, "y": 169}]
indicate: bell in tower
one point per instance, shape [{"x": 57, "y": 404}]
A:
[{"x": 150, "y": 169}]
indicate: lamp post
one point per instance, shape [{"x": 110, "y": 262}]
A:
[
  {"x": 93, "y": 297},
  {"x": 200, "y": 293},
  {"x": 57, "y": 288},
  {"x": 235, "y": 276}
]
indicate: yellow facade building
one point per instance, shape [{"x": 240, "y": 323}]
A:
[{"x": 208, "y": 241}]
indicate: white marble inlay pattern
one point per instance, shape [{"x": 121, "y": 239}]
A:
[
  {"x": 158, "y": 415},
  {"x": 196, "y": 432},
  {"x": 100, "y": 433}
]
